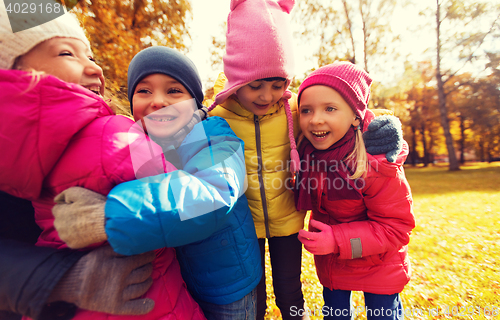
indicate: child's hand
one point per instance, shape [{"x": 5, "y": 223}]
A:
[
  {"x": 79, "y": 217},
  {"x": 319, "y": 243},
  {"x": 108, "y": 282},
  {"x": 384, "y": 135}
]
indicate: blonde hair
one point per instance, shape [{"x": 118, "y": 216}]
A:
[
  {"x": 35, "y": 75},
  {"x": 358, "y": 158}
]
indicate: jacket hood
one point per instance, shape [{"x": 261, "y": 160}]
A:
[
  {"x": 232, "y": 103},
  {"x": 379, "y": 163},
  {"x": 39, "y": 118}
]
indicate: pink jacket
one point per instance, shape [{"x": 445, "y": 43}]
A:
[
  {"x": 372, "y": 234},
  {"x": 60, "y": 135}
]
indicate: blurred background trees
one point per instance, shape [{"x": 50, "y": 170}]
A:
[{"x": 447, "y": 94}]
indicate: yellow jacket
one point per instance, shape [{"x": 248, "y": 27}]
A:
[{"x": 272, "y": 206}]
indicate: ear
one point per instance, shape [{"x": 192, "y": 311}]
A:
[
  {"x": 356, "y": 122},
  {"x": 286, "y": 5}
]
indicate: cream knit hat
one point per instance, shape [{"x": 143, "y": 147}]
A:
[{"x": 13, "y": 45}]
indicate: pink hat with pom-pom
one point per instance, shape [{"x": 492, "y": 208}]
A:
[
  {"x": 258, "y": 43},
  {"x": 259, "y": 46}
]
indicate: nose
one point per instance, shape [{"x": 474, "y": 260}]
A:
[
  {"x": 92, "y": 69},
  {"x": 159, "y": 101},
  {"x": 266, "y": 95},
  {"x": 317, "y": 118}
]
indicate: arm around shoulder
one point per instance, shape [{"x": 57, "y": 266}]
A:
[{"x": 184, "y": 206}]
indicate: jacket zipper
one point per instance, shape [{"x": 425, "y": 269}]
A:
[{"x": 261, "y": 177}]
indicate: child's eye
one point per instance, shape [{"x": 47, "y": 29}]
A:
[
  {"x": 278, "y": 86},
  {"x": 142, "y": 91},
  {"x": 330, "y": 109},
  {"x": 66, "y": 53},
  {"x": 304, "y": 110},
  {"x": 92, "y": 59},
  {"x": 255, "y": 87},
  {"x": 174, "y": 90}
]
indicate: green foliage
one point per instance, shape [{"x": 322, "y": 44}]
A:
[{"x": 454, "y": 248}]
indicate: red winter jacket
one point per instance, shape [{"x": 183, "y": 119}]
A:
[
  {"x": 372, "y": 234},
  {"x": 59, "y": 135}
]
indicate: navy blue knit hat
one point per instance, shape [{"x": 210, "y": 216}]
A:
[{"x": 165, "y": 61}]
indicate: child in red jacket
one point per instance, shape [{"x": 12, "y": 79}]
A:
[
  {"x": 66, "y": 135},
  {"x": 361, "y": 204}
]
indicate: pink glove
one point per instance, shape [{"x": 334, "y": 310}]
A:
[{"x": 319, "y": 243}]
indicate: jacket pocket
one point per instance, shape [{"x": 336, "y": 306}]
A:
[{"x": 212, "y": 263}]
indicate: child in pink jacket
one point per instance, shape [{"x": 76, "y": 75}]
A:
[
  {"x": 361, "y": 204},
  {"x": 71, "y": 137}
]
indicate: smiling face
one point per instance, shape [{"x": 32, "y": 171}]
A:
[
  {"x": 260, "y": 95},
  {"x": 68, "y": 59},
  {"x": 164, "y": 105},
  {"x": 325, "y": 117}
]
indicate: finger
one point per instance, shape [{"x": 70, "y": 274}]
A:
[
  {"x": 310, "y": 249},
  {"x": 308, "y": 235},
  {"x": 378, "y": 122},
  {"x": 138, "y": 307},
  {"x": 318, "y": 225},
  {"x": 61, "y": 198},
  {"x": 58, "y": 211},
  {"x": 135, "y": 291},
  {"x": 308, "y": 242},
  {"x": 108, "y": 251},
  {"x": 139, "y": 260},
  {"x": 302, "y": 239},
  {"x": 140, "y": 274}
]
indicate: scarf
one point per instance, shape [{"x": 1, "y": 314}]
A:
[{"x": 331, "y": 161}]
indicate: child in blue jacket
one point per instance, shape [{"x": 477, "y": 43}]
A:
[{"x": 200, "y": 209}]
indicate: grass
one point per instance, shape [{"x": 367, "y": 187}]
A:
[{"x": 454, "y": 248}]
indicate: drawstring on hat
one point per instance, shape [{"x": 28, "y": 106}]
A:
[{"x": 294, "y": 154}]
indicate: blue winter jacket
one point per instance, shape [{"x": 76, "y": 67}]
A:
[{"x": 201, "y": 210}]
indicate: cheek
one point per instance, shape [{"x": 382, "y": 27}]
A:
[
  {"x": 138, "y": 108},
  {"x": 303, "y": 122},
  {"x": 277, "y": 96}
]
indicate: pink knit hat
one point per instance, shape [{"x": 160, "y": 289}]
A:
[
  {"x": 258, "y": 43},
  {"x": 352, "y": 82},
  {"x": 259, "y": 46}
]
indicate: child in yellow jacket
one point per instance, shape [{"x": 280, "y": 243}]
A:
[{"x": 261, "y": 111}]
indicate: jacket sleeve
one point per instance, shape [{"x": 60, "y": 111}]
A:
[
  {"x": 183, "y": 206},
  {"x": 390, "y": 220},
  {"x": 29, "y": 273}
]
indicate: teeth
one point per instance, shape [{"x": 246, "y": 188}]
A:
[
  {"x": 95, "y": 89},
  {"x": 162, "y": 119},
  {"x": 320, "y": 133}
]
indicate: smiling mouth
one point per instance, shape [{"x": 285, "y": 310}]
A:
[
  {"x": 94, "y": 89},
  {"x": 261, "y": 106},
  {"x": 162, "y": 119},
  {"x": 320, "y": 134}
]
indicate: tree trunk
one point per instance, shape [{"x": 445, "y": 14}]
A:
[
  {"x": 413, "y": 152},
  {"x": 462, "y": 140},
  {"x": 424, "y": 144},
  {"x": 442, "y": 101},
  {"x": 481, "y": 149},
  {"x": 349, "y": 24}
]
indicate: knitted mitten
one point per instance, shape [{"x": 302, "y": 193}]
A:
[
  {"x": 384, "y": 135},
  {"x": 79, "y": 217},
  {"x": 105, "y": 281}
]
